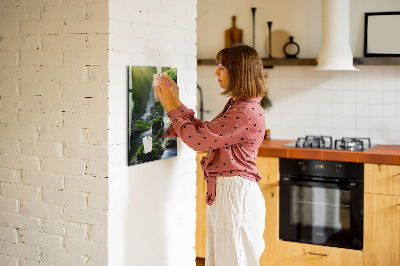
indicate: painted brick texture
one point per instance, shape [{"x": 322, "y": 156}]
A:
[
  {"x": 63, "y": 133},
  {"x": 152, "y": 205},
  {"x": 53, "y": 132}
]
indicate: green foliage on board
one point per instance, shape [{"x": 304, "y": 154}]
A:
[
  {"x": 140, "y": 126},
  {"x": 155, "y": 154},
  {"x": 141, "y": 97},
  {"x": 172, "y": 74},
  {"x": 170, "y": 143},
  {"x": 157, "y": 126},
  {"x": 142, "y": 80}
]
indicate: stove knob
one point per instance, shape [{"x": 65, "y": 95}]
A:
[
  {"x": 338, "y": 169},
  {"x": 302, "y": 166}
]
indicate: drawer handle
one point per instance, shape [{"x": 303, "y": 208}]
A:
[{"x": 318, "y": 254}]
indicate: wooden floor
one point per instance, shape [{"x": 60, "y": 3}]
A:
[{"x": 200, "y": 262}]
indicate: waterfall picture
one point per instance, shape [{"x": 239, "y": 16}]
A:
[{"x": 147, "y": 120}]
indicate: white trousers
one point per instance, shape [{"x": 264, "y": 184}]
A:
[{"x": 235, "y": 223}]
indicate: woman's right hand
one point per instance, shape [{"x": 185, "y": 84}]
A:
[{"x": 175, "y": 92}]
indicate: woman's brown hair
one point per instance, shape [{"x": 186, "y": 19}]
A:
[{"x": 245, "y": 69}]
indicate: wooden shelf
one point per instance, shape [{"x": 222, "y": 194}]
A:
[
  {"x": 377, "y": 61},
  {"x": 269, "y": 63},
  {"x": 289, "y": 62}
]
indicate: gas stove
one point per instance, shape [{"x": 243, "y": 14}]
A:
[{"x": 326, "y": 142}]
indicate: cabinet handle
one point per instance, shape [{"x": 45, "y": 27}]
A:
[{"x": 318, "y": 254}]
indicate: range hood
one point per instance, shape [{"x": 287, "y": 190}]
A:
[{"x": 335, "y": 52}]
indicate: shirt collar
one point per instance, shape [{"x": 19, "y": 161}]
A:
[{"x": 256, "y": 99}]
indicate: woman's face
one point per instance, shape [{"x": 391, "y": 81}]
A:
[{"x": 223, "y": 76}]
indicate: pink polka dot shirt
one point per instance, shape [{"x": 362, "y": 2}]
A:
[{"x": 232, "y": 139}]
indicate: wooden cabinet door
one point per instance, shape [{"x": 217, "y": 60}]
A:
[
  {"x": 299, "y": 254},
  {"x": 268, "y": 168},
  {"x": 201, "y": 205},
  {"x": 382, "y": 179},
  {"x": 381, "y": 230},
  {"x": 271, "y": 232}
]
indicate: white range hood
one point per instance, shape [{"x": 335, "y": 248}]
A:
[{"x": 335, "y": 52}]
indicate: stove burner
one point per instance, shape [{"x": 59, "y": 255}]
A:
[
  {"x": 353, "y": 144},
  {"x": 324, "y": 142}
]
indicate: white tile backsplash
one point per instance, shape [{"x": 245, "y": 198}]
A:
[
  {"x": 336, "y": 122},
  {"x": 363, "y": 103},
  {"x": 362, "y": 97},
  {"x": 336, "y": 109},
  {"x": 389, "y": 83},
  {"x": 375, "y": 83},
  {"x": 375, "y": 97},
  {"x": 389, "y": 97},
  {"x": 375, "y": 110},
  {"x": 323, "y": 95},
  {"x": 349, "y": 96},
  {"x": 362, "y": 110},
  {"x": 375, "y": 123},
  {"x": 362, "y": 123},
  {"x": 389, "y": 124},
  {"x": 389, "y": 110}
]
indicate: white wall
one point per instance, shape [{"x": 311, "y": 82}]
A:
[
  {"x": 152, "y": 205},
  {"x": 53, "y": 133},
  {"x": 64, "y": 129},
  {"x": 301, "y": 19},
  {"x": 337, "y": 103}
]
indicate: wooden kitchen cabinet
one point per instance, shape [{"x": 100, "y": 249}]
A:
[
  {"x": 382, "y": 215},
  {"x": 382, "y": 179},
  {"x": 201, "y": 205},
  {"x": 381, "y": 230},
  {"x": 300, "y": 254},
  {"x": 269, "y": 170},
  {"x": 271, "y": 232}
]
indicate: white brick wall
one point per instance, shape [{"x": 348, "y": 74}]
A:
[
  {"x": 53, "y": 132},
  {"x": 148, "y": 200},
  {"x": 60, "y": 139}
]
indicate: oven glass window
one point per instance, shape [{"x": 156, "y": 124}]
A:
[{"x": 321, "y": 207}]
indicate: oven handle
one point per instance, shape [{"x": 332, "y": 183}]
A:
[{"x": 310, "y": 182}]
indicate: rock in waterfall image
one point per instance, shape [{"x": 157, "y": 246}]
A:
[{"x": 147, "y": 120}]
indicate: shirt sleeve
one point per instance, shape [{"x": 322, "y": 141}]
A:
[
  {"x": 232, "y": 127},
  {"x": 185, "y": 112}
]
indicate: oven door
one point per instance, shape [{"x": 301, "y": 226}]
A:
[{"x": 321, "y": 212}]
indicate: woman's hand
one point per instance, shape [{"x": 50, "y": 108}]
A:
[
  {"x": 175, "y": 91},
  {"x": 165, "y": 96}
]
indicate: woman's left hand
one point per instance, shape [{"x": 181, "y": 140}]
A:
[{"x": 165, "y": 95}]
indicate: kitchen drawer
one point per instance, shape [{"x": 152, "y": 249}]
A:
[
  {"x": 299, "y": 254},
  {"x": 382, "y": 179}
]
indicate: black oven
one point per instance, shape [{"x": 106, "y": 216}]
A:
[{"x": 321, "y": 202}]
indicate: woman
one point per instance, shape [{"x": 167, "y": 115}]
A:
[{"x": 236, "y": 211}]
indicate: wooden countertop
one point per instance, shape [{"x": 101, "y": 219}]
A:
[{"x": 380, "y": 154}]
